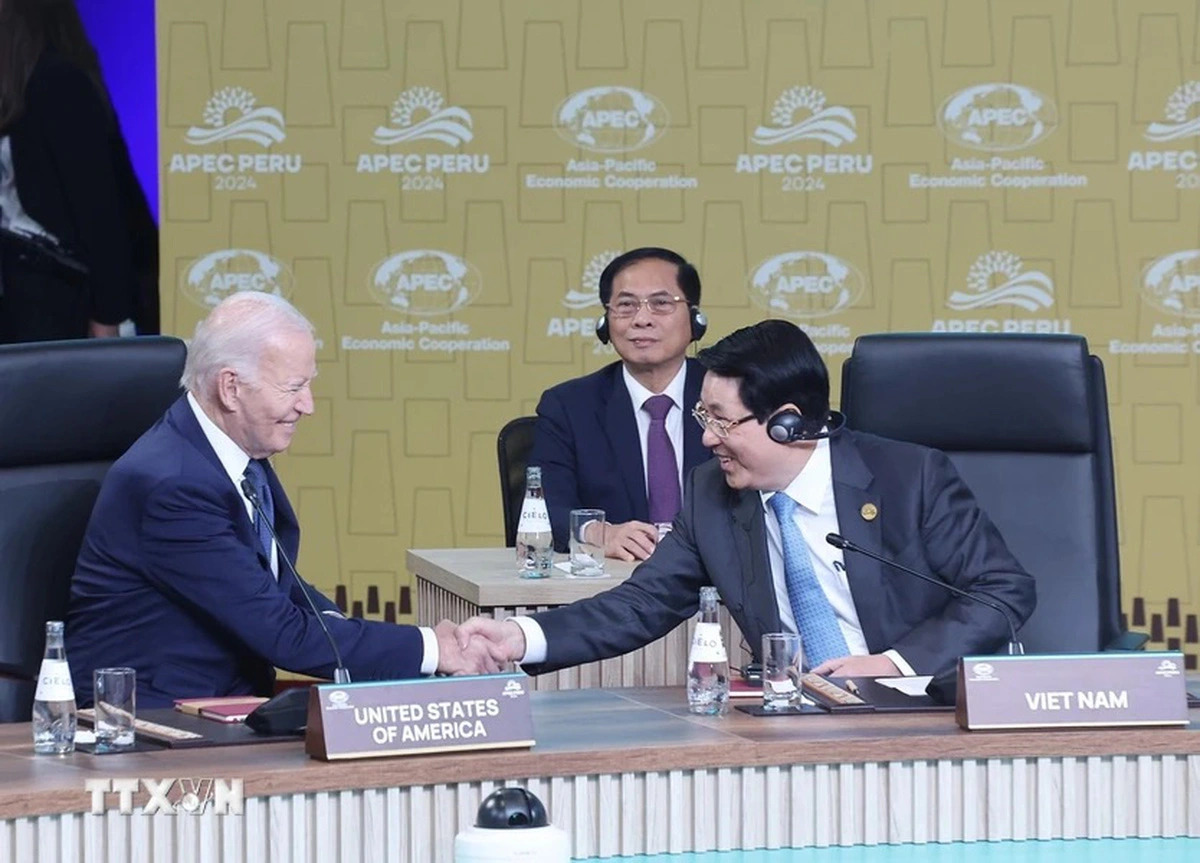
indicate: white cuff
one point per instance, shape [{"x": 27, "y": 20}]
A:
[
  {"x": 535, "y": 640},
  {"x": 898, "y": 661},
  {"x": 432, "y": 655}
]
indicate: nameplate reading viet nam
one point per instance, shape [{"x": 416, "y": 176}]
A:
[
  {"x": 1071, "y": 691},
  {"x": 414, "y": 717}
]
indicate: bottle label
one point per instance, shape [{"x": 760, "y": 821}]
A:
[
  {"x": 54, "y": 681},
  {"x": 707, "y": 644},
  {"x": 534, "y": 516}
]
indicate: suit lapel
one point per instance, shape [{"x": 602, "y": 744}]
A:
[
  {"x": 694, "y": 452},
  {"x": 750, "y": 538},
  {"x": 181, "y": 417},
  {"x": 852, "y": 481},
  {"x": 185, "y": 421},
  {"x": 621, "y": 429},
  {"x": 286, "y": 524}
]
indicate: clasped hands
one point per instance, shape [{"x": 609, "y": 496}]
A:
[{"x": 481, "y": 645}]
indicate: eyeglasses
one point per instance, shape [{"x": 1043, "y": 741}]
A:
[
  {"x": 660, "y": 304},
  {"x": 721, "y": 428}
]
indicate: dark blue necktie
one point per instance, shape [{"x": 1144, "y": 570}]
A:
[{"x": 256, "y": 472}]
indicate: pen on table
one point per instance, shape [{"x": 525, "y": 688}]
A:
[{"x": 851, "y": 686}]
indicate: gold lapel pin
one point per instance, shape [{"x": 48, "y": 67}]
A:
[{"x": 869, "y": 511}]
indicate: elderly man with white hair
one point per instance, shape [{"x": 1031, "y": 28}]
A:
[{"x": 178, "y": 576}]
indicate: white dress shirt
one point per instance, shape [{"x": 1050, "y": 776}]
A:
[
  {"x": 639, "y": 395},
  {"x": 234, "y": 460},
  {"x": 816, "y": 516}
]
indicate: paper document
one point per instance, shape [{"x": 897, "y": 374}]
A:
[{"x": 907, "y": 685}]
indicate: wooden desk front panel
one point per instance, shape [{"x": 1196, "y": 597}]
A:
[
  {"x": 661, "y": 663},
  {"x": 649, "y": 812},
  {"x": 629, "y": 772}
]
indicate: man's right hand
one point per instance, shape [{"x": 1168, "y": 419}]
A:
[
  {"x": 633, "y": 540},
  {"x": 455, "y": 656},
  {"x": 503, "y": 639}
]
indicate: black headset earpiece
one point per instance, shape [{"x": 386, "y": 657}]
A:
[
  {"x": 602, "y": 328},
  {"x": 788, "y": 426},
  {"x": 699, "y": 323}
]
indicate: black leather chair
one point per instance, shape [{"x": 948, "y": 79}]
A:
[
  {"x": 512, "y": 452},
  {"x": 68, "y": 410},
  {"x": 1025, "y": 421}
]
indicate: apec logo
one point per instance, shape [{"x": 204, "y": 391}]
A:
[
  {"x": 339, "y": 699},
  {"x": 799, "y": 115},
  {"x": 1178, "y": 108},
  {"x": 1180, "y": 123},
  {"x": 834, "y": 125},
  {"x": 999, "y": 278},
  {"x": 215, "y": 276},
  {"x": 425, "y": 282},
  {"x": 997, "y": 117},
  {"x": 587, "y": 293},
  {"x": 420, "y": 114},
  {"x": 230, "y": 115},
  {"x": 983, "y": 672},
  {"x": 806, "y": 285},
  {"x": 1167, "y": 668},
  {"x": 1171, "y": 283},
  {"x": 996, "y": 279},
  {"x": 580, "y": 299},
  {"x": 611, "y": 119},
  {"x": 449, "y": 125}
]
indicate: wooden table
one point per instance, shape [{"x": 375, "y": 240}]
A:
[
  {"x": 629, "y": 772},
  {"x": 457, "y": 583}
]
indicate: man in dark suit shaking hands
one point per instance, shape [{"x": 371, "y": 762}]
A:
[
  {"x": 754, "y": 522},
  {"x": 618, "y": 439},
  {"x": 179, "y": 577}
]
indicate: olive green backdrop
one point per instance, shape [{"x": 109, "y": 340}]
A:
[{"x": 437, "y": 185}]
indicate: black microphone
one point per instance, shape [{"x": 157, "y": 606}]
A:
[
  {"x": 1015, "y": 647},
  {"x": 340, "y": 673}
]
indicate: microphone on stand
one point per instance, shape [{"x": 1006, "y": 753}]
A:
[
  {"x": 1015, "y": 648},
  {"x": 340, "y": 673}
]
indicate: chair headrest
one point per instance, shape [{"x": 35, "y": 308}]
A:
[
  {"x": 964, "y": 392},
  {"x": 85, "y": 400}
]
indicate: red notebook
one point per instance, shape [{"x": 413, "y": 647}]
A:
[
  {"x": 232, "y": 708},
  {"x": 739, "y": 688}
]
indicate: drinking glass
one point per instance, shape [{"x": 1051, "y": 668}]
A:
[
  {"x": 116, "y": 707},
  {"x": 587, "y": 543}
]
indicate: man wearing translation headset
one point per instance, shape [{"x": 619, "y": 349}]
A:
[
  {"x": 754, "y": 521},
  {"x": 619, "y": 439}
]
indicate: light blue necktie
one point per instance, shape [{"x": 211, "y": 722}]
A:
[
  {"x": 815, "y": 619},
  {"x": 257, "y": 474}
]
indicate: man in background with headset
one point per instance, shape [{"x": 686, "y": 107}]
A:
[
  {"x": 617, "y": 439},
  {"x": 754, "y": 522}
]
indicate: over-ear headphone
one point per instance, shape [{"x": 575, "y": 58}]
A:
[
  {"x": 788, "y": 426},
  {"x": 696, "y": 318}
]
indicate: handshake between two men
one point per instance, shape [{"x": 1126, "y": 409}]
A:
[{"x": 478, "y": 646}]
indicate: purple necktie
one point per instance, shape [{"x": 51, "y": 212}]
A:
[{"x": 662, "y": 473}]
